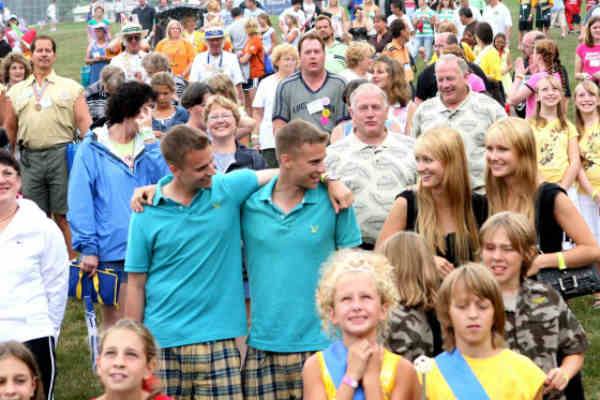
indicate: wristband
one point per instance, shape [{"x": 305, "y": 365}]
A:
[
  {"x": 346, "y": 380},
  {"x": 565, "y": 375},
  {"x": 561, "y": 261},
  {"x": 594, "y": 193},
  {"x": 146, "y": 133}
]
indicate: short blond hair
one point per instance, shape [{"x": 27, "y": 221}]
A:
[
  {"x": 171, "y": 24},
  {"x": 251, "y": 27},
  {"x": 358, "y": 51},
  {"x": 283, "y": 50},
  {"x": 476, "y": 279},
  {"x": 343, "y": 261},
  {"x": 222, "y": 84},
  {"x": 223, "y": 102},
  {"x": 163, "y": 79}
]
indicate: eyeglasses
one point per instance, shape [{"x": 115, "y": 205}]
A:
[
  {"x": 220, "y": 117},
  {"x": 137, "y": 38},
  {"x": 289, "y": 59}
]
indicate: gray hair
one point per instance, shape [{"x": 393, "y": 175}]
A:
[
  {"x": 367, "y": 87},
  {"x": 112, "y": 77},
  {"x": 156, "y": 62},
  {"x": 451, "y": 58}
]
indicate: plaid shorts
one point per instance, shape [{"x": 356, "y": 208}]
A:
[
  {"x": 202, "y": 371},
  {"x": 272, "y": 376}
]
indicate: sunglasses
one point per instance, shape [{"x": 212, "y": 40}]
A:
[{"x": 137, "y": 38}]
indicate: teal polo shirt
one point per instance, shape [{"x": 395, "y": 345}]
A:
[
  {"x": 193, "y": 261},
  {"x": 283, "y": 254}
]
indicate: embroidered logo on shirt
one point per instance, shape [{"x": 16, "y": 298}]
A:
[
  {"x": 217, "y": 204},
  {"x": 539, "y": 300},
  {"x": 314, "y": 228}
]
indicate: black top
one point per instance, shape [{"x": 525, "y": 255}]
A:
[
  {"x": 551, "y": 233},
  {"x": 480, "y": 210},
  {"x": 358, "y": 33},
  {"x": 145, "y": 16},
  {"x": 379, "y": 46},
  {"x": 427, "y": 84},
  {"x": 246, "y": 157}
]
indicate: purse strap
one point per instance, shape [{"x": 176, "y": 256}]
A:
[{"x": 537, "y": 207}]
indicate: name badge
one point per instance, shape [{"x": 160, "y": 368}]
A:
[{"x": 315, "y": 106}]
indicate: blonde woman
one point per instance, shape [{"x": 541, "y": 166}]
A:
[
  {"x": 180, "y": 51},
  {"x": 512, "y": 183},
  {"x": 371, "y": 10},
  {"x": 443, "y": 209},
  {"x": 339, "y": 18},
  {"x": 293, "y": 30},
  {"x": 358, "y": 60},
  {"x": 414, "y": 328}
]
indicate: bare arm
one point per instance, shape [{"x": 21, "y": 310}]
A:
[
  {"x": 558, "y": 378},
  {"x": 278, "y": 124},
  {"x": 574, "y": 164},
  {"x": 136, "y": 296},
  {"x": 338, "y": 132},
  {"x": 240, "y": 91},
  {"x": 274, "y": 41},
  {"x": 312, "y": 382},
  {"x": 519, "y": 93},
  {"x": 245, "y": 57},
  {"x": 83, "y": 120},
  {"x": 395, "y": 221},
  {"x": 408, "y": 387},
  {"x": 10, "y": 121},
  {"x": 246, "y": 127},
  {"x": 586, "y": 250},
  {"x": 258, "y": 113}
]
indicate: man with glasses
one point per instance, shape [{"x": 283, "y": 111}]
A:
[{"x": 130, "y": 60}]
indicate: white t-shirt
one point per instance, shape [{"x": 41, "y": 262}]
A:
[
  {"x": 51, "y": 11},
  {"x": 131, "y": 64},
  {"x": 299, "y": 15},
  {"x": 248, "y": 13},
  {"x": 350, "y": 75},
  {"x": 405, "y": 19},
  {"x": 265, "y": 99},
  {"x": 205, "y": 65},
  {"x": 498, "y": 17}
]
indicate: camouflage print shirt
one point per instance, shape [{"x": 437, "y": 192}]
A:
[
  {"x": 541, "y": 325},
  {"x": 411, "y": 334}
]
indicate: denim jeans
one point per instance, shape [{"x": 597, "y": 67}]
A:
[{"x": 423, "y": 41}]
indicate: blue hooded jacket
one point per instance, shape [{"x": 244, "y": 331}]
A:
[{"x": 100, "y": 188}]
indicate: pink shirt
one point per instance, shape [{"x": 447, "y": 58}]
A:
[
  {"x": 590, "y": 58},
  {"x": 477, "y": 84},
  {"x": 531, "y": 83}
]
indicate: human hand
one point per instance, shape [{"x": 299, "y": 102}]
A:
[
  {"x": 520, "y": 67},
  {"x": 443, "y": 266},
  {"x": 358, "y": 358},
  {"x": 89, "y": 264},
  {"x": 596, "y": 76},
  {"x": 373, "y": 369},
  {"x": 142, "y": 196},
  {"x": 340, "y": 195},
  {"x": 556, "y": 379},
  {"x": 144, "y": 119}
]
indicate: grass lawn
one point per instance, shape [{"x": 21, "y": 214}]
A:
[{"x": 75, "y": 379}]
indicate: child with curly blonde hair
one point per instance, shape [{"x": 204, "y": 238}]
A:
[{"x": 354, "y": 297}]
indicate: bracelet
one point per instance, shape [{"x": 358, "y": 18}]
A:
[
  {"x": 594, "y": 193},
  {"x": 346, "y": 380},
  {"x": 565, "y": 375},
  {"x": 561, "y": 261}
]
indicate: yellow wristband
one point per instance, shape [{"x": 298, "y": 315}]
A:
[
  {"x": 561, "y": 261},
  {"x": 594, "y": 193},
  {"x": 565, "y": 375}
]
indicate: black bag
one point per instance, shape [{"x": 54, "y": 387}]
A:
[{"x": 570, "y": 282}]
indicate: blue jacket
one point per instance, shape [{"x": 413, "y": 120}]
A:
[{"x": 100, "y": 188}]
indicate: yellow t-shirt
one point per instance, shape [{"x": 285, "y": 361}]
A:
[
  {"x": 552, "y": 144},
  {"x": 490, "y": 63},
  {"x": 505, "y": 376},
  {"x": 387, "y": 377},
  {"x": 469, "y": 55},
  {"x": 589, "y": 150}
]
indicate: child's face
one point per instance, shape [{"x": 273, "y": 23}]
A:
[
  {"x": 16, "y": 380},
  {"x": 585, "y": 101},
  {"x": 357, "y": 308},
  {"x": 472, "y": 317},
  {"x": 502, "y": 258},
  {"x": 500, "y": 42},
  {"x": 547, "y": 94},
  {"x": 122, "y": 364}
]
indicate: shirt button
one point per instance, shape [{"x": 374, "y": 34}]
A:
[{"x": 181, "y": 207}]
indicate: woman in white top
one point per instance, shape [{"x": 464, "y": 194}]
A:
[
  {"x": 268, "y": 34},
  {"x": 358, "y": 60},
  {"x": 35, "y": 273},
  {"x": 339, "y": 18},
  {"x": 293, "y": 30},
  {"x": 285, "y": 59}
]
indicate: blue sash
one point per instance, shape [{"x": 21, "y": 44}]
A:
[
  {"x": 459, "y": 376},
  {"x": 336, "y": 357}
]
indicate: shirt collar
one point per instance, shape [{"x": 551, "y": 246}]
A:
[
  {"x": 461, "y": 105},
  {"x": 265, "y": 194},
  {"x": 50, "y": 78},
  {"x": 358, "y": 144},
  {"x": 158, "y": 196}
]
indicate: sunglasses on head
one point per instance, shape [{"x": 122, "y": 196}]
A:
[{"x": 137, "y": 38}]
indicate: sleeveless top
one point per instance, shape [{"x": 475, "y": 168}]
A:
[
  {"x": 480, "y": 210},
  {"x": 387, "y": 377},
  {"x": 96, "y": 67}
]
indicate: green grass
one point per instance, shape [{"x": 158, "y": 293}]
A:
[{"x": 75, "y": 379}]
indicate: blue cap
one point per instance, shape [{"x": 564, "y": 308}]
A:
[{"x": 213, "y": 33}]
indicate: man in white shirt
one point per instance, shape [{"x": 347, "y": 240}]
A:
[
  {"x": 130, "y": 60},
  {"x": 296, "y": 10},
  {"x": 216, "y": 60},
  {"x": 252, "y": 10},
  {"x": 498, "y": 16}
]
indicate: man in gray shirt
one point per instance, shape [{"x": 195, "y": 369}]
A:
[{"x": 312, "y": 94}]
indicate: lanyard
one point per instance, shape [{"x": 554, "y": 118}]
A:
[
  {"x": 39, "y": 93},
  {"x": 220, "y": 60}
]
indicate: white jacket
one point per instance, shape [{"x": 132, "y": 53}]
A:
[{"x": 34, "y": 275}]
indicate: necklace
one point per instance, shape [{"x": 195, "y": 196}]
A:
[{"x": 10, "y": 214}]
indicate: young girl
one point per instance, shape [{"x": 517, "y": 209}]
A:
[
  {"x": 475, "y": 365},
  {"x": 293, "y": 30},
  {"x": 339, "y": 18},
  {"x": 414, "y": 328},
  {"x": 555, "y": 137},
  {"x": 445, "y": 11},
  {"x": 443, "y": 208},
  {"x": 19, "y": 373},
  {"x": 128, "y": 347},
  {"x": 354, "y": 296},
  {"x": 508, "y": 249},
  {"x": 268, "y": 34}
]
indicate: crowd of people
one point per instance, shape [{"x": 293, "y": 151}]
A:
[{"x": 302, "y": 212}]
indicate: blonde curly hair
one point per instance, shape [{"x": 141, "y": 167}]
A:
[{"x": 351, "y": 260}]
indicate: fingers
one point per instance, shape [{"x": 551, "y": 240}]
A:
[{"x": 555, "y": 380}]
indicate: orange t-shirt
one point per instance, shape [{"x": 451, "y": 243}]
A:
[
  {"x": 401, "y": 55},
  {"x": 255, "y": 47},
  {"x": 180, "y": 53}
]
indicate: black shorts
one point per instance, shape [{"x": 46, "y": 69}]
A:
[
  {"x": 542, "y": 23},
  {"x": 251, "y": 83},
  {"x": 576, "y": 19},
  {"x": 525, "y": 26}
]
